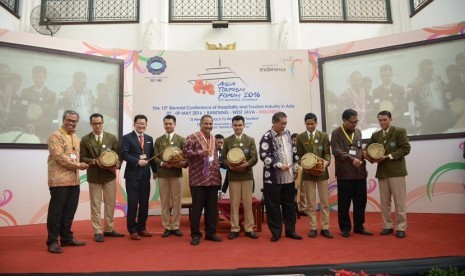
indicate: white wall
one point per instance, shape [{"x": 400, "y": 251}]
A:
[
  {"x": 284, "y": 32},
  {"x": 439, "y": 12}
]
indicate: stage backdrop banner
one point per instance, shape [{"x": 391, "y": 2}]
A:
[{"x": 254, "y": 84}]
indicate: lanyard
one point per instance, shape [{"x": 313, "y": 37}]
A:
[
  {"x": 209, "y": 146},
  {"x": 69, "y": 136},
  {"x": 350, "y": 139}
]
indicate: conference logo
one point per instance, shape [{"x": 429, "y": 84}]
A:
[
  {"x": 156, "y": 65},
  {"x": 284, "y": 65}
]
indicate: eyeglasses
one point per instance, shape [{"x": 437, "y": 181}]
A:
[
  {"x": 71, "y": 121},
  {"x": 354, "y": 123}
]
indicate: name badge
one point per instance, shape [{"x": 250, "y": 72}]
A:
[
  {"x": 143, "y": 156},
  {"x": 352, "y": 152},
  {"x": 73, "y": 156}
]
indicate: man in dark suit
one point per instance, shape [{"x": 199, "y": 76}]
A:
[
  {"x": 137, "y": 150},
  {"x": 391, "y": 172},
  {"x": 240, "y": 177},
  {"x": 40, "y": 103},
  {"x": 316, "y": 142},
  {"x": 101, "y": 178},
  {"x": 391, "y": 96}
]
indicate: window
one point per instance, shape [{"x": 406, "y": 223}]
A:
[
  {"x": 209, "y": 10},
  {"x": 417, "y": 5},
  {"x": 11, "y": 5},
  {"x": 345, "y": 11},
  {"x": 94, "y": 11}
]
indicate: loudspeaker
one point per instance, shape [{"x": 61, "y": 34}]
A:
[{"x": 220, "y": 24}]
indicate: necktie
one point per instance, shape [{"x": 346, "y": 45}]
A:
[
  {"x": 141, "y": 141},
  {"x": 384, "y": 133},
  {"x": 99, "y": 140},
  {"x": 238, "y": 139},
  {"x": 168, "y": 138},
  {"x": 311, "y": 139}
]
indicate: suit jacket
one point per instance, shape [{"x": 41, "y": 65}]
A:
[
  {"x": 90, "y": 150},
  {"x": 161, "y": 144},
  {"x": 131, "y": 152},
  {"x": 250, "y": 153},
  {"x": 320, "y": 148},
  {"x": 46, "y": 100},
  {"x": 396, "y": 144},
  {"x": 395, "y": 95}
]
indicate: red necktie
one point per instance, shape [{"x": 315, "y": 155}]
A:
[{"x": 141, "y": 141}]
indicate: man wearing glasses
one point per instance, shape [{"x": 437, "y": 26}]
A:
[
  {"x": 351, "y": 174},
  {"x": 63, "y": 182}
]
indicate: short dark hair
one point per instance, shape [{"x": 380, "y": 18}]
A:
[
  {"x": 348, "y": 113},
  {"x": 72, "y": 112},
  {"x": 294, "y": 135},
  {"x": 278, "y": 115},
  {"x": 140, "y": 116},
  {"x": 385, "y": 67},
  {"x": 169, "y": 116},
  {"x": 310, "y": 116},
  {"x": 205, "y": 116},
  {"x": 385, "y": 113},
  {"x": 95, "y": 115},
  {"x": 238, "y": 118},
  {"x": 219, "y": 136}
]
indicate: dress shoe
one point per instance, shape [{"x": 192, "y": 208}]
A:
[
  {"x": 54, "y": 248},
  {"x": 176, "y": 232},
  {"x": 134, "y": 236},
  {"x": 166, "y": 233},
  {"x": 364, "y": 232},
  {"x": 274, "y": 238},
  {"x": 326, "y": 233},
  {"x": 294, "y": 236},
  {"x": 233, "y": 235},
  {"x": 144, "y": 233},
  {"x": 251, "y": 235},
  {"x": 195, "y": 240},
  {"x": 98, "y": 238},
  {"x": 345, "y": 233},
  {"x": 213, "y": 237},
  {"x": 302, "y": 213},
  {"x": 72, "y": 242},
  {"x": 400, "y": 234},
  {"x": 113, "y": 234},
  {"x": 385, "y": 232},
  {"x": 312, "y": 233}
]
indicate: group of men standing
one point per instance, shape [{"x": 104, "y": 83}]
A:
[{"x": 68, "y": 154}]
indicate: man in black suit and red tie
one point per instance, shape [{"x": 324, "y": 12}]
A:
[{"x": 137, "y": 151}]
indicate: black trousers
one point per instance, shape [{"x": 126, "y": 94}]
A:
[
  {"x": 280, "y": 207},
  {"x": 61, "y": 210},
  {"x": 354, "y": 191},
  {"x": 204, "y": 198},
  {"x": 138, "y": 204}
]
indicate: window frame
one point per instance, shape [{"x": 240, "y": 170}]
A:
[
  {"x": 91, "y": 13},
  {"x": 220, "y": 17},
  {"x": 14, "y": 11},
  {"x": 414, "y": 10},
  {"x": 345, "y": 20}
]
